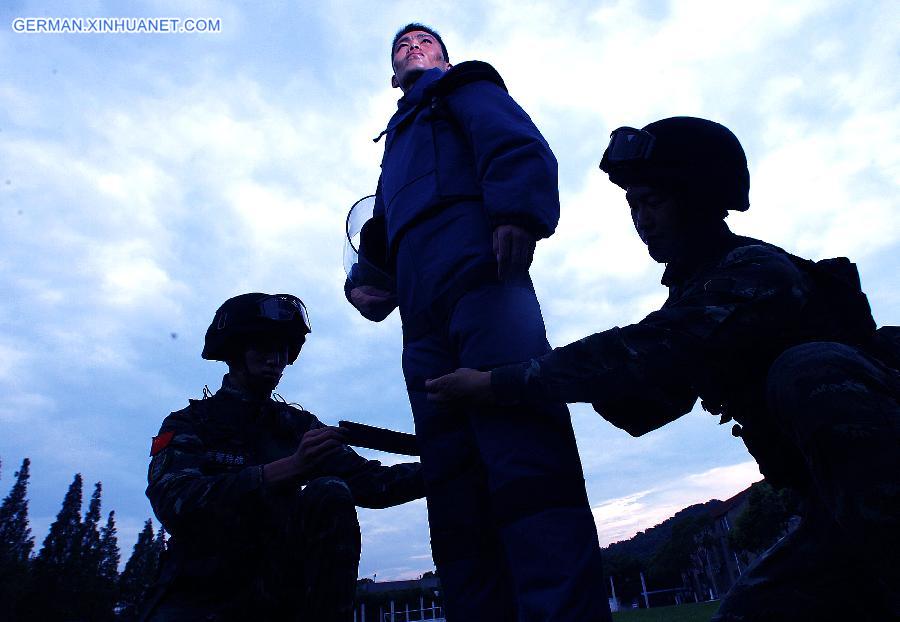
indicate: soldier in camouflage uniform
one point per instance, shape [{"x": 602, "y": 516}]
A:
[
  {"x": 785, "y": 347},
  {"x": 259, "y": 495}
]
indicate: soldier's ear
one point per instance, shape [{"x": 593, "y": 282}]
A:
[{"x": 394, "y": 83}]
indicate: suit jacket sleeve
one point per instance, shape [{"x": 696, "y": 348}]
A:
[{"x": 514, "y": 164}]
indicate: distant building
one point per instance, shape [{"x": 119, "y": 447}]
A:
[
  {"x": 718, "y": 565},
  {"x": 730, "y": 567},
  {"x": 426, "y": 584},
  {"x": 410, "y": 600},
  {"x": 715, "y": 566}
]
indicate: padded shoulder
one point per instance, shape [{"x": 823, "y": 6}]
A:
[
  {"x": 765, "y": 257},
  {"x": 466, "y": 73},
  {"x": 180, "y": 418}
]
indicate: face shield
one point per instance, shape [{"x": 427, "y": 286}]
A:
[{"x": 364, "y": 252}]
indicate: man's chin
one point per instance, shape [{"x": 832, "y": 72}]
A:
[
  {"x": 658, "y": 255},
  {"x": 411, "y": 75},
  {"x": 265, "y": 384}
]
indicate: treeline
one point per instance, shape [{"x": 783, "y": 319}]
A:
[{"x": 75, "y": 575}]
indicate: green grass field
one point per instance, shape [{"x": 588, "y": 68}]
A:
[{"x": 694, "y": 612}]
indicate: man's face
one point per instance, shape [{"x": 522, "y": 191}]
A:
[
  {"x": 414, "y": 53},
  {"x": 655, "y": 214},
  {"x": 264, "y": 362}
]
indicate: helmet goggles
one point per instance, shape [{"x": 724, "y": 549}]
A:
[
  {"x": 626, "y": 145},
  {"x": 283, "y": 308}
]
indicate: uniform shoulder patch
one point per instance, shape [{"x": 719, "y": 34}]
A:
[
  {"x": 161, "y": 442},
  {"x": 158, "y": 467}
]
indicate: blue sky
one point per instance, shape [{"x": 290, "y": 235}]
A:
[{"x": 146, "y": 178}]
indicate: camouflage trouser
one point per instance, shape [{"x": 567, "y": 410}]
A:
[
  {"x": 842, "y": 409},
  {"x": 324, "y": 558},
  {"x": 304, "y": 569}
]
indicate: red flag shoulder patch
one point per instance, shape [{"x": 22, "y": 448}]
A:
[{"x": 161, "y": 442}]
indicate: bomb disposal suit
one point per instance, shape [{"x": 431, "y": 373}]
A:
[
  {"x": 511, "y": 530},
  {"x": 241, "y": 547}
]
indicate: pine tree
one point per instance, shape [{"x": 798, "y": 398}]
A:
[
  {"x": 90, "y": 534},
  {"x": 159, "y": 547},
  {"x": 95, "y": 595},
  {"x": 56, "y": 570},
  {"x": 16, "y": 544},
  {"x": 140, "y": 569},
  {"x": 109, "y": 550},
  {"x": 107, "y": 589},
  {"x": 62, "y": 546}
]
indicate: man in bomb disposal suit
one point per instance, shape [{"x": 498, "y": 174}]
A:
[
  {"x": 467, "y": 186},
  {"x": 259, "y": 495},
  {"x": 785, "y": 347}
]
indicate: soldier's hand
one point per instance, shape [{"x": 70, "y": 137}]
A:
[
  {"x": 375, "y": 304},
  {"x": 465, "y": 384},
  {"x": 317, "y": 445},
  {"x": 514, "y": 250}
]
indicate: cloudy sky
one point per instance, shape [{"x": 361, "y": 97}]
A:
[{"x": 146, "y": 178}]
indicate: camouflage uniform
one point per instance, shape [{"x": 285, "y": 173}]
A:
[
  {"x": 823, "y": 419},
  {"x": 241, "y": 549}
]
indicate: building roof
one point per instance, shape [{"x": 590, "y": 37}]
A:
[{"x": 729, "y": 504}]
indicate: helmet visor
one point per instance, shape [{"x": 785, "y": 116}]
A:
[{"x": 284, "y": 308}]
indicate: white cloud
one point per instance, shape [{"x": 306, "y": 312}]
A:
[
  {"x": 395, "y": 542},
  {"x": 620, "y": 518},
  {"x": 17, "y": 408},
  {"x": 155, "y": 177},
  {"x": 12, "y": 357}
]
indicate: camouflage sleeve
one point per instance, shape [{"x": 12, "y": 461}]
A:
[
  {"x": 372, "y": 484},
  {"x": 377, "y": 486},
  {"x": 183, "y": 495},
  {"x": 644, "y": 375}
]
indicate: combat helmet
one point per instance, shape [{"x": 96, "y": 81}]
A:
[
  {"x": 701, "y": 158},
  {"x": 256, "y": 314}
]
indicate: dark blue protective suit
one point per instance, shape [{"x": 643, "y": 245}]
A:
[{"x": 512, "y": 533}]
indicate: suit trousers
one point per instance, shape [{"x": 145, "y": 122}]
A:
[{"x": 512, "y": 533}]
